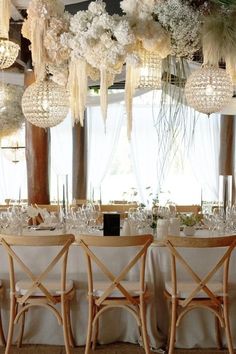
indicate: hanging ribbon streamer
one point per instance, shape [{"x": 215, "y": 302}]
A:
[
  {"x": 78, "y": 86},
  {"x": 4, "y": 18},
  {"x": 38, "y": 30},
  {"x": 131, "y": 82},
  {"x": 103, "y": 93}
]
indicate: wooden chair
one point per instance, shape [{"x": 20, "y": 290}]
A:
[
  {"x": 122, "y": 208},
  {"x": 116, "y": 292},
  {"x": 50, "y": 207},
  {"x": 188, "y": 209},
  {"x": 2, "y": 337},
  {"x": 37, "y": 290},
  {"x": 201, "y": 291}
]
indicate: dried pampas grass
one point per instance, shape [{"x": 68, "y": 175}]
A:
[{"x": 219, "y": 40}]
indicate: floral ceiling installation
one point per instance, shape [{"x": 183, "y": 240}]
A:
[
  {"x": 92, "y": 43},
  {"x": 11, "y": 116}
]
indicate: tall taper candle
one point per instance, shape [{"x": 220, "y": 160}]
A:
[
  {"x": 19, "y": 195},
  {"x": 63, "y": 199}
]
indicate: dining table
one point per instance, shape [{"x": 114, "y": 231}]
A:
[{"x": 196, "y": 330}]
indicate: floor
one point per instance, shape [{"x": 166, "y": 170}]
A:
[{"x": 118, "y": 348}]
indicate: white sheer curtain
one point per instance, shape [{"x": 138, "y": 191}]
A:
[
  {"x": 102, "y": 142},
  {"x": 61, "y": 157},
  {"x": 144, "y": 150},
  {"x": 13, "y": 179},
  {"x": 204, "y": 155}
]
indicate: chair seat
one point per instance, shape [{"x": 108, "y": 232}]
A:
[
  {"x": 132, "y": 287},
  {"x": 185, "y": 288},
  {"x": 54, "y": 286}
]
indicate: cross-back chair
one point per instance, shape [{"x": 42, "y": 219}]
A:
[
  {"x": 203, "y": 291},
  {"x": 116, "y": 291},
  {"x": 195, "y": 209},
  {"x": 37, "y": 290},
  {"x": 2, "y": 336}
]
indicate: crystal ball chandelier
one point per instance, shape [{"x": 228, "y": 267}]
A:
[
  {"x": 8, "y": 53},
  {"x": 150, "y": 71},
  {"x": 45, "y": 103},
  {"x": 208, "y": 89}
]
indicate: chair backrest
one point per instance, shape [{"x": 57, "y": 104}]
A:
[
  {"x": 10, "y": 243},
  {"x": 118, "y": 207},
  {"x": 49, "y": 207},
  {"x": 188, "y": 209},
  {"x": 140, "y": 243},
  {"x": 201, "y": 283}
]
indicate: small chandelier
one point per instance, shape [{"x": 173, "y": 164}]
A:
[
  {"x": 208, "y": 89},
  {"x": 45, "y": 103},
  {"x": 8, "y": 50},
  {"x": 150, "y": 71},
  {"x": 8, "y": 53}
]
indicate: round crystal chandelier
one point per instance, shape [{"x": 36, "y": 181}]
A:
[
  {"x": 8, "y": 53},
  {"x": 45, "y": 103},
  {"x": 150, "y": 71},
  {"x": 208, "y": 89}
]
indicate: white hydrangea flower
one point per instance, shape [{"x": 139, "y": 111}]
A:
[{"x": 101, "y": 39}]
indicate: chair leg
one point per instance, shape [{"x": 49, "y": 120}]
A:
[
  {"x": 21, "y": 332},
  {"x": 144, "y": 326},
  {"x": 90, "y": 322},
  {"x": 65, "y": 326},
  {"x": 172, "y": 326},
  {"x": 227, "y": 327},
  {"x": 11, "y": 323},
  {"x": 71, "y": 337},
  {"x": 218, "y": 333},
  {"x": 2, "y": 337},
  {"x": 95, "y": 329}
]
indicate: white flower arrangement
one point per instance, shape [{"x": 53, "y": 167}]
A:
[
  {"x": 11, "y": 115},
  {"x": 99, "y": 38},
  {"x": 183, "y": 23},
  {"x": 40, "y": 13},
  {"x": 138, "y": 9},
  {"x": 57, "y": 51},
  {"x": 45, "y": 9}
]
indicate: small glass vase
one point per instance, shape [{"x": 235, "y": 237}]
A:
[{"x": 189, "y": 230}]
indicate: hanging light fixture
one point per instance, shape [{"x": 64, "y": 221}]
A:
[
  {"x": 8, "y": 50},
  {"x": 45, "y": 103},
  {"x": 208, "y": 89},
  {"x": 8, "y": 53},
  {"x": 150, "y": 71}
]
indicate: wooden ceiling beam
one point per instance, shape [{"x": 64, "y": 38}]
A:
[{"x": 15, "y": 13}]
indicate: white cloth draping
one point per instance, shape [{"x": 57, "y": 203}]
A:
[
  {"x": 204, "y": 155},
  {"x": 144, "y": 148},
  {"x": 13, "y": 177},
  {"x": 103, "y": 138},
  {"x": 61, "y": 158}
]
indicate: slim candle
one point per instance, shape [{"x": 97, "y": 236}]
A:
[
  {"x": 63, "y": 199},
  {"x": 19, "y": 195},
  {"x": 67, "y": 193},
  {"x": 100, "y": 195}
]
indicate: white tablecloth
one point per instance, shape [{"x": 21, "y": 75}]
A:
[{"x": 197, "y": 330}]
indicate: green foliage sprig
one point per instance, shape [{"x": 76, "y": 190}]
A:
[{"x": 189, "y": 219}]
